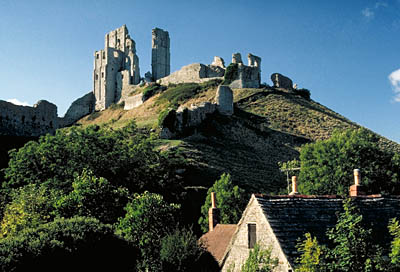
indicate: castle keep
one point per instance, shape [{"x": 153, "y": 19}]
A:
[{"x": 117, "y": 66}]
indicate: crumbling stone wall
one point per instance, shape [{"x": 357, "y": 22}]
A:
[
  {"x": 132, "y": 102},
  {"x": 247, "y": 76},
  {"x": 115, "y": 66},
  {"x": 185, "y": 120},
  {"x": 195, "y": 72},
  {"x": 78, "y": 109},
  {"x": 28, "y": 121},
  {"x": 160, "y": 54},
  {"x": 280, "y": 81}
]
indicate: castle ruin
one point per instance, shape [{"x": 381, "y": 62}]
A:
[
  {"x": 115, "y": 66},
  {"x": 160, "y": 55}
]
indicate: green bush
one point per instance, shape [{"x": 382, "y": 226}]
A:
[
  {"x": 76, "y": 244},
  {"x": 303, "y": 93},
  {"x": 147, "y": 220},
  {"x": 115, "y": 106},
  {"x": 180, "y": 251},
  {"x": 93, "y": 197},
  {"x": 94, "y": 115},
  {"x": 231, "y": 73},
  {"x": 260, "y": 260},
  {"x": 327, "y": 166},
  {"x": 152, "y": 89},
  {"x": 166, "y": 118}
]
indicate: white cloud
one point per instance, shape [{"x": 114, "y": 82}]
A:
[
  {"x": 368, "y": 13},
  {"x": 394, "y": 78},
  {"x": 17, "y": 102}
]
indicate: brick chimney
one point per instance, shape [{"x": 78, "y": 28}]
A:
[
  {"x": 213, "y": 213},
  {"x": 294, "y": 186},
  {"x": 357, "y": 189}
]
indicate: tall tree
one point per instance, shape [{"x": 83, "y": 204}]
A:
[
  {"x": 327, "y": 166},
  {"x": 231, "y": 201}
]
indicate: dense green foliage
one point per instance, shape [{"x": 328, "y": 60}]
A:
[
  {"x": 231, "y": 201},
  {"x": 310, "y": 260},
  {"x": 180, "y": 251},
  {"x": 394, "y": 230},
  {"x": 327, "y": 166},
  {"x": 30, "y": 206},
  {"x": 152, "y": 89},
  {"x": 231, "y": 73},
  {"x": 76, "y": 244},
  {"x": 93, "y": 197},
  {"x": 259, "y": 260},
  {"x": 351, "y": 247},
  {"x": 148, "y": 219},
  {"x": 125, "y": 157}
]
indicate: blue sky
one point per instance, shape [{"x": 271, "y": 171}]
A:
[{"x": 346, "y": 52}]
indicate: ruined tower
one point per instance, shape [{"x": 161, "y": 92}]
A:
[
  {"x": 115, "y": 66},
  {"x": 160, "y": 55}
]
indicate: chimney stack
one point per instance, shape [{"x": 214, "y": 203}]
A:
[
  {"x": 213, "y": 213},
  {"x": 357, "y": 188},
  {"x": 294, "y": 186}
]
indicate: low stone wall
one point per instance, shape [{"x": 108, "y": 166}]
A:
[
  {"x": 28, "y": 121},
  {"x": 132, "y": 102},
  {"x": 280, "y": 81},
  {"x": 195, "y": 72}
]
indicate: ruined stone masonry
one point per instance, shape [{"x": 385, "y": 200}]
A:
[
  {"x": 28, "y": 121},
  {"x": 160, "y": 54},
  {"x": 186, "y": 120},
  {"x": 280, "y": 81},
  {"x": 248, "y": 76},
  {"x": 114, "y": 67}
]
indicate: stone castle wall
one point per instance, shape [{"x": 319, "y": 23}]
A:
[
  {"x": 28, "y": 121},
  {"x": 195, "y": 72}
]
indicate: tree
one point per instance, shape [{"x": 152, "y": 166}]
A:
[
  {"x": 394, "y": 230},
  {"x": 93, "y": 197},
  {"x": 148, "y": 219},
  {"x": 180, "y": 251},
  {"x": 30, "y": 206},
  {"x": 260, "y": 260},
  {"x": 311, "y": 255},
  {"x": 231, "y": 201},
  {"x": 75, "y": 244},
  {"x": 126, "y": 157},
  {"x": 351, "y": 248},
  {"x": 327, "y": 166}
]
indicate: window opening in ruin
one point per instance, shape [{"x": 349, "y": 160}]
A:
[
  {"x": 251, "y": 231},
  {"x": 97, "y": 76},
  {"x": 102, "y": 74},
  {"x": 104, "y": 55},
  {"x": 97, "y": 56},
  {"x": 118, "y": 41}
]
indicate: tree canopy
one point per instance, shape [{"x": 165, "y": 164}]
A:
[{"x": 327, "y": 166}]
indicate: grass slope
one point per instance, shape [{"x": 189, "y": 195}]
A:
[{"x": 269, "y": 125}]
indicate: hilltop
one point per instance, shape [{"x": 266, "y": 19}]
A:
[{"x": 269, "y": 125}]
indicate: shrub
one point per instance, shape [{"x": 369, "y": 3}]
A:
[
  {"x": 76, "y": 244},
  {"x": 151, "y": 90},
  {"x": 166, "y": 118},
  {"x": 180, "y": 251},
  {"x": 260, "y": 260},
  {"x": 303, "y": 93},
  {"x": 148, "y": 219},
  {"x": 94, "y": 115}
]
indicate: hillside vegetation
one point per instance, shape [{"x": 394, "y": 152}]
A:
[{"x": 269, "y": 125}]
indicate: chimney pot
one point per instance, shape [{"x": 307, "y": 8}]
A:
[
  {"x": 294, "y": 186},
  {"x": 213, "y": 213},
  {"x": 357, "y": 188}
]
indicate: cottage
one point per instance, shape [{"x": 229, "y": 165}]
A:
[{"x": 279, "y": 221}]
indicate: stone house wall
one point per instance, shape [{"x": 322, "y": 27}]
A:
[{"x": 238, "y": 250}]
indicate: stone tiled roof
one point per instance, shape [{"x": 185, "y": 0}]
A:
[
  {"x": 291, "y": 217},
  {"x": 217, "y": 241}
]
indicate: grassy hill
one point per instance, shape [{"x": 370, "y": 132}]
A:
[{"x": 269, "y": 125}]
